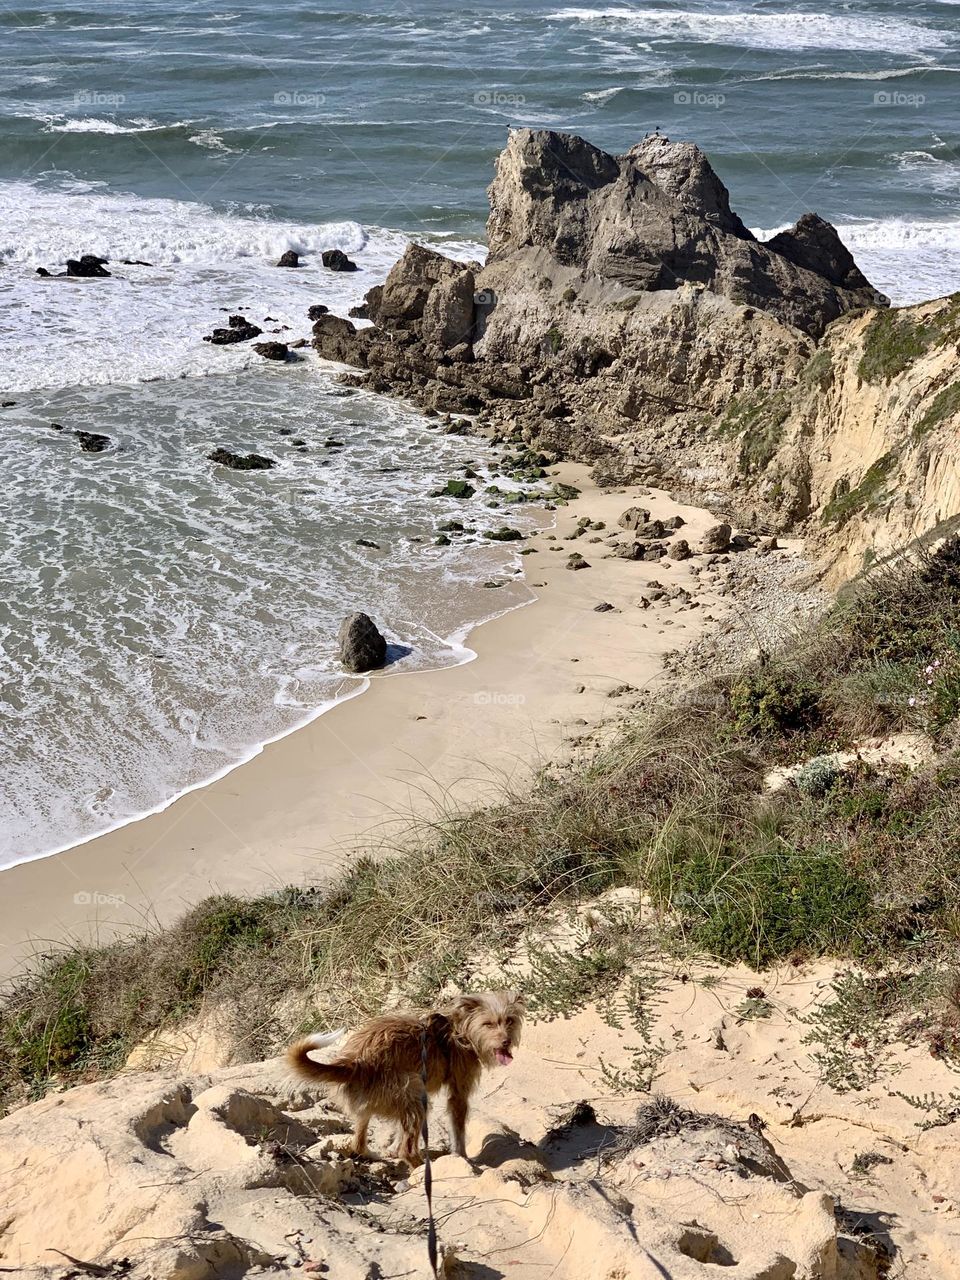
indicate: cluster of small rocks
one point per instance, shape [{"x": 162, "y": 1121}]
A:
[{"x": 774, "y": 596}]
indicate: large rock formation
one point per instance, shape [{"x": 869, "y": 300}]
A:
[
  {"x": 658, "y": 218},
  {"x": 626, "y": 316},
  {"x": 621, "y": 295}
]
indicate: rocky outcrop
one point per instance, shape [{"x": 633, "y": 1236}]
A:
[
  {"x": 241, "y": 461},
  {"x": 289, "y": 259},
  {"x": 92, "y": 441},
  {"x": 656, "y": 218},
  {"x": 361, "y": 646},
  {"x": 238, "y": 329},
  {"x": 627, "y": 317},
  {"x": 88, "y": 265},
  {"x": 622, "y": 306},
  {"x": 337, "y": 260},
  {"x": 272, "y": 350}
]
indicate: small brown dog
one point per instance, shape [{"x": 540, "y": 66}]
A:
[{"x": 380, "y": 1068}]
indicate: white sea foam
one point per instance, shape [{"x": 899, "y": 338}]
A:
[
  {"x": 602, "y": 95},
  {"x": 865, "y": 73},
  {"x": 148, "y": 322},
  {"x": 763, "y": 30},
  {"x": 96, "y": 124},
  {"x": 212, "y": 141},
  {"x": 161, "y": 617}
]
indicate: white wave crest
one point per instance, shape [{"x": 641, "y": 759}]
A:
[{"x": 764, "y": 30}]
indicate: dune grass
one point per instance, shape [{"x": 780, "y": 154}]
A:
[{"x": 855, "y": 862}]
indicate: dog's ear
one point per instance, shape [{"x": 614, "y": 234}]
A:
[
  {"x": 467, "y": 1004},
  {"x": 516, "y": 997}
]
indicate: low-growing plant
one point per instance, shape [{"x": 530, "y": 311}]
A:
[
  {"x": 945, "y": 405},
  {"x": 871, "y": 490}
]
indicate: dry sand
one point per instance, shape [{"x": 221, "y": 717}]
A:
[
  {"x": 295, "y": 811},
  {"x": 205, "y": 1172}
]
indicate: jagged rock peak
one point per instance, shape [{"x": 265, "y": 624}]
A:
[
  {"x": 659, "y": 217},
  {"x": 683, "y": 172}
]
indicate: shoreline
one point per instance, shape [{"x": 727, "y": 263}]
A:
[
  {"x": 454, "y": 735},
  {"x": 457, "y": 645}
]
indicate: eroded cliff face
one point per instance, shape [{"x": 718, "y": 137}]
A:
[
  {"x": 865, "y": 457},
  {"x": 626, "y": 316}
]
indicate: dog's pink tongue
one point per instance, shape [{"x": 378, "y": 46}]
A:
[{"x": 504, "y": 1058}]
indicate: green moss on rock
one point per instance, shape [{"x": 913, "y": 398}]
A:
[{"x": 867, "y": 496}]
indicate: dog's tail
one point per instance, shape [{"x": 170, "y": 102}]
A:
[{"x": 300, "y": 1062}]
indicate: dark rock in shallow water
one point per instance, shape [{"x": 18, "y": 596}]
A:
[
  {"x": 359, "y": 312},
  {"x": 337, "y": 260},
  {"x": 242, "y": 461},
  {"x": 135, "y": 262},
  {"x": 240, "y": 330},
  {"x": 362, "y": 647},
  {"x": 87, "y": 265},
  {"x": 91, "y": 442},
  {"x": 272, "y": 350},
  {"x": 337, "y": 339},
  {"x": 454, "y": 489},
  {"x": 289, "y": 259},
  {"x": 316, "y": 311}
]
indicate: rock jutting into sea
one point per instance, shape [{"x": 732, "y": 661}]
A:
[{"x": 627, "y": 317}]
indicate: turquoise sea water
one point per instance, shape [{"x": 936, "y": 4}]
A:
[{"x": 157, "y": 619}]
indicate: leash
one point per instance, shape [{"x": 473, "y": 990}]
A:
[{"x": 427, "y": 1171}]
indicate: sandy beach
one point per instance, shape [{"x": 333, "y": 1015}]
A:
[{"x": 297, "y": 810}]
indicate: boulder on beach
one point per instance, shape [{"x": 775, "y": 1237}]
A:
[
  {"x": 716, "y": 539},
  {"x": 633, "y": 517},
  {"x": 361, "y": 645},
  {"x": 289, "y": 259},
  {"x": 316, "y": 311},
  {"x": 337, "y": 260},
  {"x": 272, "y": 350},
  {"x": 239, "y": 329},
  {"x": 242, "y": 461}
]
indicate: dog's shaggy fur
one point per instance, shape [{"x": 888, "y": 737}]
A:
[{"x": 380, "y": 1068}]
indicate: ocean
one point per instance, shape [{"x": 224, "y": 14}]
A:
[{"x": 161, "y": 618}]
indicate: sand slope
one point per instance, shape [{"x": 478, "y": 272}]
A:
[{"x": 240, "y": 1170}]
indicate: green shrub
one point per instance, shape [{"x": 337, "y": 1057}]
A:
[
  {"x": 774, "y": 702},
  {"x": 767, "y": 902},
  {"x": 892, "y": 342},
  {"x": 759, "y": 421}
]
